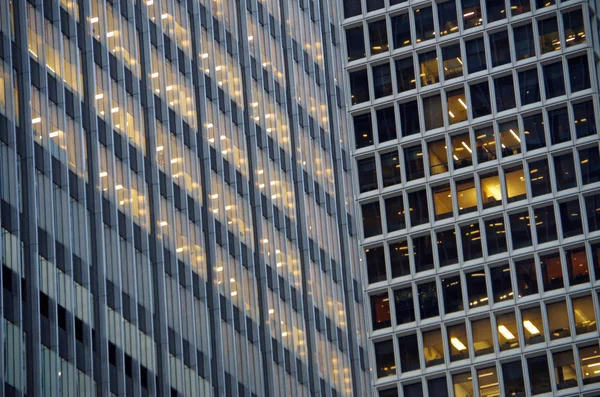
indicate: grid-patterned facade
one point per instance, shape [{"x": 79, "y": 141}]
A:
[
  {"x": 176, "y": 200},
  {"x": 475, "y": 139}
]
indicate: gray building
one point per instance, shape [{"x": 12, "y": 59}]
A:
[{"x": 475, "y": 142}]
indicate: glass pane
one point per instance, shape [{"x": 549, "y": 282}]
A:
[
  {"x": 358, "y": 88},
  {"x": 564, "y": 370},
  {"x": 583, "y": 312},
  {"x": 423, "y": 255},
  {"x": 433, "y": 348},
  {"x": 480, "y": 100},
  {"x": 533, "y": 326},
  {"x": 585, "y": 121},
  {"x": 560, "y": 129},
  {"x": 453, "y": 65},
  {"x": 554, "y": 80},
  {"x": 367, "y": 174},
  {"x": 405, "y": 309},
  {"x": 409, "y": 353},
  {"x": 574, "y": 30},
  {"x": 533, "y": 129},
  {"x": 466, "y": 195},
  {"x": 401, "y": 30},
  {"x": 382, "y": 80},
  {"x": 471, "y": 241},
  {"x": 457, "y": 341},
  {"x": 447, "y": 17},
  {"x": 447, "y": 249},
  {"x": 457, "y": 106},
  {"x": 432, "y": 112},
  {"x": 413, "y": 158},
  {"x": 453, "y": 301},
  {"x": 378, "y": 37},
  {"x": 518, "y": 7},
  {"x": 386, "y": 124},
  {"x": 475, "y": 55},
  {"x": 355, "y": 42},
  {"x": 375, "y": 5},
  {"x": 496, "y": 236},
  {"x": 476, "y": 288},
  {"x": 384, "y": 357},
  {"x": 549, "y": 39},
  {"x": 570, "y": 215},
  {"x": 405, "y": 74},
  {"x": 442, "y": 201},
  {"x": 514, "y": 384},
  {"x": 515, "y": 184},
  {"x": 413, "y": 390},
  {"x": 501, "y": 283},
  {"x": 428, "y": 68},
  {"x": 371, "y": 219},
  {"x": 375, "y": 258},
  {"x": 579, "y": 73},
  {"x": 380, "y": 311},
  {"x": 461, "y": 151},
  {"x": 526, "y": 278},
  {"x": 394, "y": 214},
  {"x": 424, "y": 24},
  {"x": 418, "y": 210},
  {"x": 505, "y": 93},
  {"x": 558, "y": 320},
  {"x": 565, "y": 171},
  {"x": 577, "y": 266},
  {"x": 438, "y": 160},
  {"x": 488, "y": 382},
  {"x": 524, "y": 46},
  {"x": 491, "y": 193},
  {"x": 437, "y": 387},
  {"x": 482, "y": 337},
  {"x": 428, "y": 300},
  {"x": 589, "y": 361},
  {"x": 495, "y": 10},
  {"x": 552, "y": 275},
  {"x": 508, "y": 335},
  {"x": 520, "y": 230},
  {"x": 510, "y": 138},
  {"x": 363, "y": 130},
  {"x": 499, "y": 48},
  {"x": 409, "y": 123},
  {"x": 471, "y": 13},
  {"x": 545, "y": 224},
  {"x": 399, "y": 259},
  {"x": 539, "y": 177},
  {"x": 592, "y": 208},
  {"x": 390, "y": 169},
  {"x": 486, "y": 144},
  {"x": 539, "y": 376},
  {"x": 463, "y": 385}
]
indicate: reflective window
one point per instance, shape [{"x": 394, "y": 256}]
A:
[
  {"x": 375, "y": 5},
  {"x": 476, "y": 288},
  {"x": 413, "y": 390},
  {"x": 386, "y": 124},
  {"x": 409, "y": 353},
  {"x": 589, "y": 360},
  {"x": 390, "y": 169},
  {"x": 413, "y": 159},
  {"x": 554, "y": 80},
  {"x": 462, "y": 384},
  {"x": 358, "y": 87},
  {"x": 539, "y": 377},
  {"x": 382, "y": 80},
  {"x": 423, "y": 253},
  {"x": 424, "y": 24},
  {"x": 408, "y": 122},
  {"x": 589, "y": 162},
  {"x": 451, "y": 288},
  {"x": 583, "y": 313},
  {"x": 442, "y": 201},
  {"x": 355, "y": 42},
  {"x": 485, "y": 144},
  {"x": 428, "y": 300},
  {"x": 518, "y": 7},
  {"x": 437, "y": 387},
  {"x": 394, "y": 214},
  {"x": 592, "y": 208},
  {"x": 574, "y": 30},
  {"x": 499, "y": 48},
  {"x": 471, "y": 241},
  {"x": 371, "y": 219},
  {"x": 405, "y": 309},
  {"x": 375, "y": 258},
  {"x": 378, "y": 37},
  {"x": 549, "y": 38},
  {"x": 401, "y": 30},
  {"x": 524, "y": 45},
  {"x": 453, "y": 65},
  {"x": 560, "y": 130},
  {"x": 418, "y": 210},
  {"x": 564, "y": 369},
  {"x": 483, "y": 342},
  {"x": 579, "y": 73},
  {"x": 363, "y": 130},
  {"x": 457, "y": 341},
  {"x": 505, "y": 93},
  {"x": 438, "y": 160},
  {"x": 433, "y": 348},
  {"x": 461, "y": 151},
  {"x": 501, "y": 284},
  {"x": 466, "y": 196},
  {"x": 526, "y": 279},
  {"x": 447, "y": 17},
  {"x": 539, "y": 177},
  {"x": 480, "y": 99},
  {"x": 585, "y": 121},
  {"x": 495, "y": 231},
  {"x": 510, "y": 139},
  {"x": 367, "y": 174},
  {"x": 447, "y": 249},
  {"x": 495, "y": 10},
  {"x": 545, "y": 224},
  {"x": 529, "y": 87},
  {"x": 380, "y": 311},
  {"x": 475, "y": 55},
  {"x": 457, "y": 106},
  {"x": 384, "y": 358},
  {"x": 514, "y": 384},
  {"x": 533, "y": 130},
  {"x": 565, "y": 171},
  {"x": 405, "y": 74},
  {"x": 471, "y": 13},
  {"x": 577, "y": 266},
  {"x": 533, "y": 326},
  {"x": 488, "y": 382},
  {"x": 508, "y": 335},
  {"x": 515, "y": 184},
  {"x": 552, "y": 275},
  {"x": 352, "y": 8},
  {"x": 519, "y": 230},
  {"x": 428, "y": 68},
  {"x": 399, "y": 259},
  {"x": 432, "y": 112}
]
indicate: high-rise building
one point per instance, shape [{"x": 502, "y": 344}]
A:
[
  {"x": 475, "y": 139},
  {"x": 177, "y": 209}
]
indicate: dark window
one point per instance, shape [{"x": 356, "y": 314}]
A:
[
  {"x": 501, "y": 284},
  {"x": 551, "y": 272},
  {"x": 386, "y": 124},
  {"x": 570, "y": 217},
  {"x": 590, "y": 165},
  {"x": 505, "y": 93},
  {"x": 390, "y": 169},
  {"x": 423, "y": 253},
  {"x": 518, "y": 7},
  {"x": 564, "y": 368},
  {"x": 579, "y": 73},
  {"x": 545, "y": 224},
  {"x": 401, "y": 30},
  {"x": 382, "y": 80},
  {"x": 409, "y": 353},
  {"x": 471, "y": 13},
  {"x": 384, "y": 358},
  {"x": 541, "y": 4},
  {"x": 565, "y": 171},
  {"x": 577, "y": 266},
  {"x": 520, "y": 230},
  {"x": 549, "y": 38},
  {"x": 405, "y": 74},
  {"x": 480, "y": 99},
  {"x": 560, "y": 130},
  {"x": 394, "y": 214},
  {"x": 399, "y": 259},
  {"x": 413, "y": 159},
  {"x": 432, "y": 109},
  {"x": 424, "y": 24},
  {"x": 375, "y": 5},
  {"x": 539, "y": 176},
  {"x": 495, "y": 10},
  {"x": 514, "y": 384},
  {"x": 363, "y": 130},
  {"x": 526, "y": 279},
  {"x": 378, "y": 37},
  {"x": 408, "y": 122},
  {"x": 367, "y": 174},
  {"x": 371, "y": 219},
  {"x": 529, "y": 86},
  {"x": 539, "y": 377},
  {"x": 485, "y": 144},
  {"x": 437, "y": 387},
  {"x": 359, "y": 87},
  {"x": 375, "y": 258},
  {"x": 351, "y": 8},
  {"x": 428, "y": 65},
  {"x": 471, "y": 241},
  {"x": 413, "y": 390},
  {"x": 453, "y": 66},
  {"x": 447, "y": 17},
  {"x": 405, "y": 309},
  {"x": 596, "y": 259},
  {"x": 418, "y": 209},
  {"x": 592, "y": 208},
  {"x": 554, "y": 80},
  {"x": 355, "y": 42},
  {"x": 389, "y": 392},
  {"x": 451, "y": 288},
  {"x": 428, "y": 300},
  {"x": 475, "y": 55},
  {"x": 447, "y": 249},
  {"x": 499, "y": 48},
  {"x": 533, "y": 129},
  {"x": 495, "y": 231},
  {"x": 574, "y": 30},
  {"x": 524, "y": 46},
  {"x": 585, "y": 121},
  {"x": 380, "y": 311}
]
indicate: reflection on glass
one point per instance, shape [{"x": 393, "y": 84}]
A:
[
  {"x": 433, "y": 348},
  {"x": 499, "y": 48},
  {"x": 382, "y": 80},
  {"x": 520, "y": 229},
  {"x": 533, "y": 129},
  {"x": 461, "y": 151},
  {"x": 453, "y": 65},
  {"x": 405, "y": 310},
  {"x": 409, "y": 353},
  {"x": 405, "y": 74},
  {"x": 485, "y": 144},
  {"x": 585, "y": 121},
  {"x": 539, "y": 177},
  {"x": 476, "y": 288},
  {"x": 554, "y": 81},
  {"x": 390, "y": 169},
  {"x": 533, "y": 326},
  {"x": 447, "y": 249},
  {"x": 483, "y": 342},
  {"x": 558, "y": 320},
  {"x": 564, "y": 169},
  {"x": 573, "y": 25},
  {"x": 564, "y": 369},
  {"x": 423, "y": 255},
  {"x": 400, "y": 30},
  {"x": 495, "y": 10},
  {"x": 583, "y": 312},
  {"x": 442, "y": 201},
  {"x": 428, "y": 300},
  {"x": 457, "y": 106},
  {"x": 471, "y": 241},
  {"x": 524, "y": 45},
  {"x": 413, "y": 159},
  {"x": 438, "y": 160},
  {"x": 380, "y": 311},
  {"x": 457, "y": 341},
  {"x": 488, "y": 382},
  {"x": 518, "y": 7},
  {"x": 424, "y": 24},
  {"x": 570, "y": 218},
  {"x": 378, "y": 37},
  {"x": 367, "y": 174},
  {"x": 394, "y": 214},
  {"x": 505, "y": 93},
  {"x": 495, "y": 235},
  {"x": 475, "y": 55},
  {"x": 551, "y": 272},
  {"x": 418, "y": 209}
]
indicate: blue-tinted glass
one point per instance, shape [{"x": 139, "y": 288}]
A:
[
  {"x": 447, "y": 17},
  {"x": 529, "y": 86},
  {"x": 499, "y": 48},
  {"x": 401, "y": 30},
  {"x": 480, "y": 99},
  {"x": 424, "y": 24},
  {"x": 554, "y": 80},
  {"x": 524, "y": 45},
  {"x": 533, "y": 129}
]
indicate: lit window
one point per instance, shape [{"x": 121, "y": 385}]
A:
[
  {"x": 466, "y": 196},
  {"x": 471, "y": 13},
  {"x": 515, "y": 184},
  {"x": 552, "y": 275},
  {"x": 558, "y": 320},
  {"x": 483, "y": 342},
  {"x": 488, "y": 382},
  {"x": 485, "y": 144},
  {"x": 549, "y": 38},
  {"x": 453, "y": 64},
  {"x": 378, "y": 37},
  {"x": 447, "y": 17},
  {"x": 574, "y": 29},
  {"x": 508, "y": 335},
  {"x": 589, "y": 360},
  {"x": 442, "y": 201},
  {"x": 476, "y": 288},
  {"x": 457, "y": 106},
  {"x": 433, "y": 348},
  {"x": 584, "y": 315},
  {"x": 438, "y": 159},
  {"x": 457, "y": 341},
  {"x": 510, "y": 138},
  {"x": 533, "y": 325}
]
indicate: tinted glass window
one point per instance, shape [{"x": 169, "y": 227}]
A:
[
  {"x": 585, "y": 121},
  {"x": 409, "y": 353},
  {"x": 501, "y": 284},
  {"x": 418, "y": 208},
  {"x": 413, "y": 158},
  {"x": 405, "y": 309},
  {"x": 371, "y": 219},
  {"x": 363, "y": 130},
  {"x": 386, "y": 124},
  {"x": 367, "y": 174},
  {"x": 442, "y": 201},
  {"x": 560, "y": 130},
  {"x": 495, "y": 235},
  {"x": 475, "y": 55},
  {"x": 375, "y": 258},
  {"x": 355, "y": 42},
  {"x": 378, "y": 37},
  {"x": 480, "y": 99},
  {"x": 520, "y": 231},
  {"x": 549, "y": 39},
  {"x": 358, "y": 87},
  {"x": 352, "y": 8},
  {"x": 476, "y": 287},
  {"x": 446, "y": 245},
  {"x": 524, "y": 46},
  {"x": 471, "y": 13},
  {"x": 451, "y": 287},
  {"x": 510, "y": 139},
  {"x": 495, "y": 10},
  {"x": 499, "y": 48},
  {"x": 570, "y": 216},
  {"x": 579, "y": 73},
  {"x": 533, "y": 129},
  {"x": 485, "y": 144},
  {"x": 382, "y": 80},
  {"x": 422, "y": 250},
  {"x": 380, "y": 311},
  {"x": 551, "y": 272},
  {"x": 438, "y": 159},
  {"x": 529, "y": 87},
  {"x": 424, "y": 24},
  {"x": 399, "y": 259},
  {"x": 539, "y": 377},
  {"x": 405, "y": 74},
  {"x": 577, "y": 266},
  {"x": 543, "y": 3},
  {"x": 437, "y": 387},
  {"x": 461, "y": 151},
  {"x": 554, "y": 80},
  {"x": 432, "y": 112},
  {"x": 374, "y": 5},
  {"x": 471, "y": 241},
  {"x": 574, "y": 30},
  {"x": 390, "y": 169},
  {"x": 384, "y": 358},
  {"x": 428, "y": 65},
  {"x": 539, "y": 177},
  {"x": 394, "y": 214},
  {"x": 526, "y": 279},
  {"x": 558, "y": 320},
  {"x": 545, "y": 224},
  {"x": 428, "y": 300},
  {"x": 592, "y": 206},
  {"x": 413, "y": 390},
  {"x": 453, "y": 65},
  {"x": 565, "y": 171},
  {"x": 447, "y": 17},
  {"x": 590, "y": 165},
  {"x": 505, "y": 93},
  {"x": 408, "y": 122},
  {"x": 514, "y": 385},
  {"x": 400, "y": 30}
]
